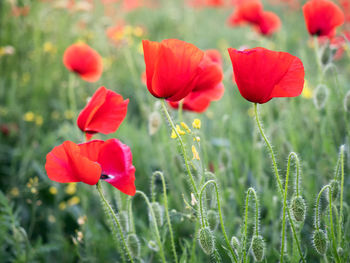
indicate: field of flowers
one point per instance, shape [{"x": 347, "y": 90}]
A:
[{"x": 174, "y": 131}]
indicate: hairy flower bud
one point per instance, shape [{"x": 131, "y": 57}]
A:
[
  {"x": 334, "y": 188},
  {"x": 213, "y": 219},
  {"x": 321, "y": 96},
  {"x": 258, "y": 248},
  {"x": 235, "y": 244},
  {"x": 206, "y": 240},
  {"x": 153, "y": 246},
  {"x": 158, "y": 213},
  {"x": 320, "y": 241},
  {"x": 133, "y": 244},
  {"x": 298, "y": 208},
  {"x": 124, "y": 221}
]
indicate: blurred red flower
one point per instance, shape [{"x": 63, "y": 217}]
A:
[
  {"x": 208, "y": 87},
  {"x": 246, "y": 12},
  {"x": 269, "y": 23},
  {"x": 84, "y": 61},
  {"x": 251, "y": 12},
  {"x": 262, "y": 74},
  {"x": 322, "y": 17},
  {"x": 89, "y": 162},
  {"x": 171, "y": 68},
  {"x": 103, "y": 114}
]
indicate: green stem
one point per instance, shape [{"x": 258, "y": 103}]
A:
[
  {"x": 184, "y": 153},
  {"x": 340, "y": 221},
  {"x": 116, "y": 220},
  {"x": 71, "y": 94},
  {"x": 173, "y": 248},
  {"x": 244, "y": 243},
  {"x": 278, "y": 180},
  {"x": 334, "y": 245},
  {"x": 161, "y": 251},
  {"x": 220, "y": 214}
]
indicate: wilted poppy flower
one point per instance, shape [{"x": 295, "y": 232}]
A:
[
  {"x": 246, "y": 12},
  {"x": 269, "y": 23},
  {"x": 262, "y": 74},
  {"x": 89, "y": 162},
  {"x": 103, "y": 114},
  {"x": 171, "y": 68},
  {"x": 208, "y": 87},
  {"x": 322, "y": 17},
  {"x": 83, "y": 60}
]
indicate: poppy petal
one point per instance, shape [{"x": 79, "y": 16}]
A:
[
  {"x": 83, "y": 60},
  {"x": 65, "y": 164},
  {"x": 104, "y": 113},
  {"x": 91, "y": 149},
  {"x": 115, "y": 159},
  {"x": 262, "y": 74}
]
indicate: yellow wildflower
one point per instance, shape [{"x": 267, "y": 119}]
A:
[
  {"x": 196, "y": 123},
  {"x": 140, "y": 48},
  {"x": 195, "y": 153},
  {"x": 179, "y": 131},
  {"x": 62, "y": 205},
  {"x": 307, "y": 91},
  {"x": 173, "y": 135},
  {"x": 71, "y": 188},
  {"x": 53, "y": 190},
  {"x": 29, "y": 116},
  {"x": 197, "y": 138},
  {"x": 14, "y": 192},
  {"x": 138, "y": 31},
  {"x": 49, "y": 48},
  {"x": 39, "y": 120},
  {"x": 184, "y": 125},
  {"x": 73, "y": 201}
]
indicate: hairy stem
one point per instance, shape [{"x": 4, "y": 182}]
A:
[
  {"x": 116, "y": 220},
  {"x": 184, "y": 153},
  {"x": 279, "y": 183},
  {"x": 220, "y": 215},
  {"x": 160, "y": 174},
  {"x": 161, "y": 250}
]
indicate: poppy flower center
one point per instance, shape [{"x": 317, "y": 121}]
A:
[{"x": 106, "y": 176}]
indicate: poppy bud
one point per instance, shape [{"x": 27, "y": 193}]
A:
[
  {"x": 334, "y": 188},
  {"x": 258, "y": 247},
  {"x": 298, "y": 208},
  {"x": 134, "y": 245},
  {"x": 158, "y": 213},
  {"x": 235, "y": 244},
  {"x": 153, "y": 246},
  {"x": 321, "y": 96},
  {"x": 340, "y": 251},
  {"x": 154, "y": 121},
  {"x": 213, "y": 221},
  {"x": 347, "y": 101},
  {"x": 206, "y": 240},
  {"x": 124, "y": 221},
  {"x": 320, "y": 241}
]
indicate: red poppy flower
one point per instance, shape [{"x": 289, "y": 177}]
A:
[
  {"x": 262, "y": 74},
  {"x": 246, "y": 12},
  {"x": 208, "y": 87},
  {"x": 104, "y": 113},
  {"x": 269, "y": 23},
  {"x": 322, "y": 17},
  {"x": 171, "y": 68},
  {"x": 83, "y": 60},
  {"x": 89, "y": 162}
]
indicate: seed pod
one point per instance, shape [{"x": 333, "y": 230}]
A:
[
  {"x": 134, "y": 245},
  {"x": 258, "y": 248},
  {"x": 158, "y": 213},
  {"x": 206, "y": 240},
  {"x": 124, "y": 221},
  {"x": 235, "y": 244},
  {"x": 153, "y": 246},
  {"x": 334, "y": 188},
  {"x": 321, "y": 96},
  {"x": 320, "y": 241},
  {"x": 213, "y": 219},
  {"x": 154, "y": 122},
  {"x": 298, "y": 208},
  {"x": 340, "y": 251},
  {"x": 347, "y": 102}
]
